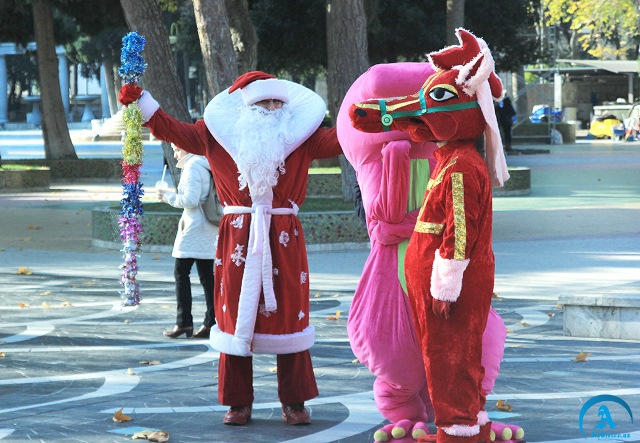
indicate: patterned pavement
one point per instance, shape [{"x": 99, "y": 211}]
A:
[{"x": 72, "y": 356}]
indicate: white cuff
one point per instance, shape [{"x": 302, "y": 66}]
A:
[
  {"x": 148, "y": 105},
  {"x": 446, "y": 278}
]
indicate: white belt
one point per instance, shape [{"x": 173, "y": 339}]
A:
[{"x": 259, "y": 254}]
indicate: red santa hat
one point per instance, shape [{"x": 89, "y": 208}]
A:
[{"x": 257, "y": 85}]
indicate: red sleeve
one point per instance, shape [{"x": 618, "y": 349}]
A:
[
  {"x": 324, "y": 143},
  {"x": 190, "y": 137}
]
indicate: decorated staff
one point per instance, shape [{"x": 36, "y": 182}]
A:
[{"x": 131, "y": 69}]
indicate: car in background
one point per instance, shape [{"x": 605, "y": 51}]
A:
[{"x": 544, "y": 114}]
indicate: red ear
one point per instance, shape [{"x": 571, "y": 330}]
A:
[
  {"x": 457, "y": 55},
  {"x": 496, "y": 86}
]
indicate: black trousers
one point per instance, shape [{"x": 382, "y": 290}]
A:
[{"x": 181, "y": 272}]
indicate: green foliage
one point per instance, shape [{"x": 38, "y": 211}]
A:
[
  {"x": 292, "y": 35},
  {"x": 292, "y": 32},
  {"x": 606, "y": 30}
]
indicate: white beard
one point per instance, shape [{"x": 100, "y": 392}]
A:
[{"x": 262, "y": 146}]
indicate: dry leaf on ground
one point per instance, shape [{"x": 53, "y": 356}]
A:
[
  {"x": 34, "y": 228},
  {"x": 23, "y": 305},
  {"x": 334, "y": 317},
  {"x": 150, "y": 362},
  {"x": 148, "y": 434},
  {"x": 119, "y": 417},
  {"x": 24, "y": 271},
  {"x": 503, "y": 406},
  {"x": 45, "y": 305},
  {"x": 582, "y": 357}
]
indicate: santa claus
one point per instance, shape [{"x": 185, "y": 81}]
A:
[{"x": 259, "y": 136}]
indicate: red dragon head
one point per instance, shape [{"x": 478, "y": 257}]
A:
[{"x": 455, "y": 103}]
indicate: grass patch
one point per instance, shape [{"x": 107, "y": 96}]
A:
[
  {"x": 325, "y": 170},
  {"x": 324, "y": 204},
  {"x": 13, "y": 167}
]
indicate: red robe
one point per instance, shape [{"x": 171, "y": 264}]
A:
[
  {"x": 449, "y": 253},
  {"x": 286, "y": 330}
]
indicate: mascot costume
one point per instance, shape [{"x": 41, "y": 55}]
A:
[{"x": 393, "y": 157}]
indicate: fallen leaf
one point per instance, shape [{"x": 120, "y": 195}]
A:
[
  {"x": 335, "y": 295},
  {"x": 503, "y": 406},
  {"x": 334, "y": 317},
  {"x": 166, "y": 307},
  {"x": 525, "y": 324},
  {"x": 2, "y": 354},
  {"x": 559, "y": 306},
  {"x": 550, "y": 314},
  {"x": 318, "y": 295},
  {"x": 159, "y": 436},
  {"x": 150, "y": 362},
  {"x": 119, "y": 417},
  {"x": 582, "y": 357},
  {"x": 127, "y": 321},
  {"x": 142, "y": 434},
  {"x": 357, "y": 360},
  {"x": 273, "y": 369},
  {"x": 495, "y": 295},
  {"x": 46, "y": 293},
  {"x": 24, "y": 271},
  {"x": 130, "y": 372},
  {"x": 34, "y": 228},
  {"x": 23, "y": 305},
  {"x": 66, "y": 303},
  {"x": 508, "y": 331},
  {"x": 46, "y": 305}
]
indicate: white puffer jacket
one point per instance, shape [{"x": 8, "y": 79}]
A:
[{"x": 196, "y": 236}]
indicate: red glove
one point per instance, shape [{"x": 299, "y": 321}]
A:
[
  {"x": 441, "y": 308},
  {"x": 129, "y": 93}
]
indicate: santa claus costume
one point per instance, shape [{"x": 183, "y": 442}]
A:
[{"x": 259, "y": 160}]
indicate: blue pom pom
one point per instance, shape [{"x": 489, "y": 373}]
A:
[{"x": 132, "y": 64}]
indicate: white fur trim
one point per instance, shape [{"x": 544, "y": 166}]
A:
[
  {"x": 446, "y": 278},
  {"x": 483, "y": 418},
  {"x": 228, "y": 344},
  {"x": 262, "y": 343},
  {"x": 148, "y": 105},
  {"x": 284, "y": 344},
  {"x": 462, "y": 430},
  {"x": 263, "y": 90},
  {"x": 307, "y": 107},
  {"x": 494, "y": 152}
]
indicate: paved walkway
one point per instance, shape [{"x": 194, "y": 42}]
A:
[{"x": 71, "y": 355}]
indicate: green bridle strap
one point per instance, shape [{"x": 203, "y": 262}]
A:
[{"x": 386, "y": 119}]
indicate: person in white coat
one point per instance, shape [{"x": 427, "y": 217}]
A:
[{"x": 194, "y": 242}]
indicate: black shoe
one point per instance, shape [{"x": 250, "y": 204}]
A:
[
  {"x": 178, "y": 331},
  {"x": 203, "y": 332}
]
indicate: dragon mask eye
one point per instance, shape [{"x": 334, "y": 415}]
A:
[{"x": 443, "y": 93}]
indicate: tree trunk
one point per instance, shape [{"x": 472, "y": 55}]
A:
[
  {"x": 243, "y": 35},
  {"x": 215, "y": 43},
  {"x": 55, "y": 132},
  {"x": 347, "y": 59},
  {"x": 112, "y": 87},
  {"x": 161, "y": 76},
  {"x": 455, "y": 19}
]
